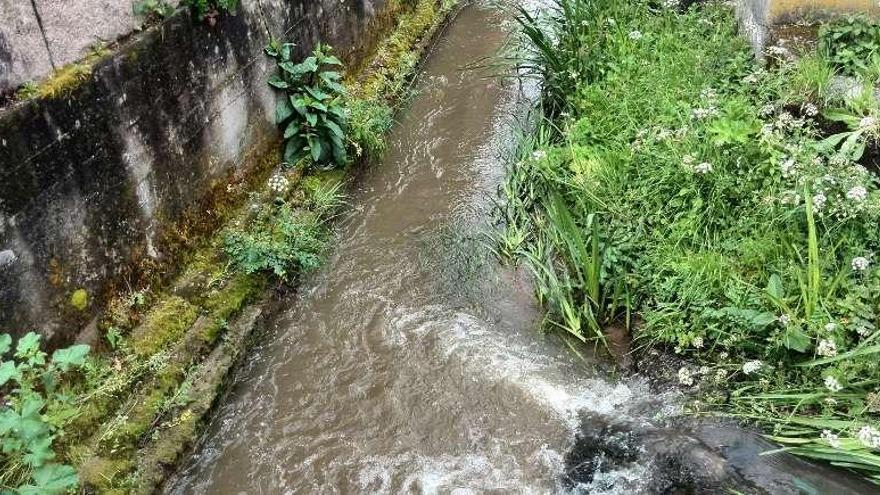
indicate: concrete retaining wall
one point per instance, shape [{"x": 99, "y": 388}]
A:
[{"x": 88, "y": 181}]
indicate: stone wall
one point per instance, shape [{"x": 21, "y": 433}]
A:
[{"x": 89, "y": 181}]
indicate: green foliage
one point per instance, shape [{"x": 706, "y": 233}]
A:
[
  {"x": 312, "y": 109},
  {"x": 210, "y": 8},
  {"x": 152, "y": 9},
  {"x": 851, "y": 43},
  {"x": 679, "y": 180},
  {"x": 280, "y": 239},
  {"x": 36, "y": 407}
]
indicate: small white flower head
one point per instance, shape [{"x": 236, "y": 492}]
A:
[
  {"x": 573, "y": 74},
  {"x": 751, "y": 79},
  {"x": 832, "y": 384},
  {"x": 826, "y": 348},
  {"x": 635, "y": 35},
  {"x": 278, "y": 184},
  {"x": 671, "y": 4},
  {"x": 860, "y": 263},
  {"x": 830, "y": 326},
  {"x": 767, "y": 130},
  {"x": 870, "y": 437},
  {"x": 831, "y": 439},
  {"x": 819, "y": 201},
  {"x": 585, "y": 23},
  {"x": 831, "y": 401},
  {"x": 720, "y": 375},
  {"x": 790, "y": 198},
  {"x": 810, "y": 110},
  {"x": 752, "y": 367},
  {"x": 611, "y": 21},
  {"x": 857, "y": 194},
  {"x": 778, "y": 51},
  {"x": 688, "y": 160},
  {"x": 784, "y": 120},
  {"x": 784, "y": 319},
  {"x": 867, "y": 123},
  {"x": 685, "y": 377},
  {"x": 538, "y": 155},
  {"x": 703, "y": 168},
  {"x": 767, "y": 110},
  {"x": 723, "y": 355},
  {"x": 698, "y": 342},
  {"x": 709, "y": 94},
  {"x": 788, "y": 167}
]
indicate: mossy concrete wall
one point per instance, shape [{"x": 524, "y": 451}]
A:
[
  {"x": 757, "y": 17},
  {"x": 92, "y": 181}
]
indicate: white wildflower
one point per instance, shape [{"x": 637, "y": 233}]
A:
[
  {"x": 870, "y": 437},
  {"x": 751, "y": 79},
  {"x": 864, "y": 330},
  {"x": 671, "y": 4},
  {"x": 783, "y": 319},
  {"x": 685, "y": 377},
  {"x": 705, "y": 370},
  {"x": 788, "y": 167},
  {"x": 688, "y": 160},
  {"x": 703, "y": 168},
  {"x": 810, "y": 110},
  {"x": 784, "y": 120},
  {"x": 723, "y": 355},
  {"x": 860, "y": 263},
  {"x": 698, "y": 342},
  {"x": 830, "y": 326},
  {"x": 709, "y": 94},
  {"x": 720, "y": 375},
  {"x": 867, "y": 123},
  {"x": 635, "y": 35},
  {"x": 767, "y": 109},
  {"x": 778, "y": 51},
  {"x": 819, "y": 200},
  {"x": 826, "y": 348},
  {"x": 278, "y": 184},
  {"x": 857, "y": 194},
  {"x": 539, "y": 155},
  {"x": 832, "y": 384},
  {"x": 832, "y": 439},
  {"x": 752, "y": 367}
]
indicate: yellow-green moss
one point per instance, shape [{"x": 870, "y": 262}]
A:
[
  {"x": 101, "y": 473},
  {"x": 164, "y": 324},
  {"x": 227, "y": 301},
  {"x": 79, "y": 299}
]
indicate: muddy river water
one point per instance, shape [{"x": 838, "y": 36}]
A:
[{"x": 412, "y": 363}]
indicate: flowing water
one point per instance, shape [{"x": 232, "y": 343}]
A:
[{"x": 412, "y": 363}]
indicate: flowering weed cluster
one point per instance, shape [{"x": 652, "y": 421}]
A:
[{"x": 706, "y": 195}]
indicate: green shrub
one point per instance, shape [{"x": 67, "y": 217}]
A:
[
  {"x": 280, "y": 239},
  {"x": 152, "y": 9},
  {"x": 36, "y": 407},
  {"x": 312, "y": 109}
]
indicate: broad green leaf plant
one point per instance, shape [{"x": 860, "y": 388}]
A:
[
  {"x": 311, "y": 109},
  {"x": 29, "y": 384}
]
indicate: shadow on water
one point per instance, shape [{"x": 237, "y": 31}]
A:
[{"x": 411, "y": 362}]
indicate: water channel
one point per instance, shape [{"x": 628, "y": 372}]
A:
[{"x": 413, "y": 363}]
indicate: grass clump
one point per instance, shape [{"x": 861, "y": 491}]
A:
[{"x": 675, "y": 179}]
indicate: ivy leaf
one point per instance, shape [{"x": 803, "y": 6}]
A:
[
  {"x": 331, "y": 60},
  {"x": 774, "y": 287},
  {"x": 27, "y": 345},
  {"x": 283, "y": 111},
  {"x": 5, "y": 343},
  {"x": 317, "y": 93},
  {"x": 315, "y": 148},
  {"x": 292, "y": 130},
  {"x": 73, "y": 356},
  {"x": 796, "y": 340},
  {"x": 334, "y": 128},
  {"x": 8, "y": 371},
  {"x": 277, "y": 82},
  {"x": 40, "y": 451},
  {"x": 51, "y": 479}
]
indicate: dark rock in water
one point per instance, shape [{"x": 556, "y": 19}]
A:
[{"x": 695, "y": 458}]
